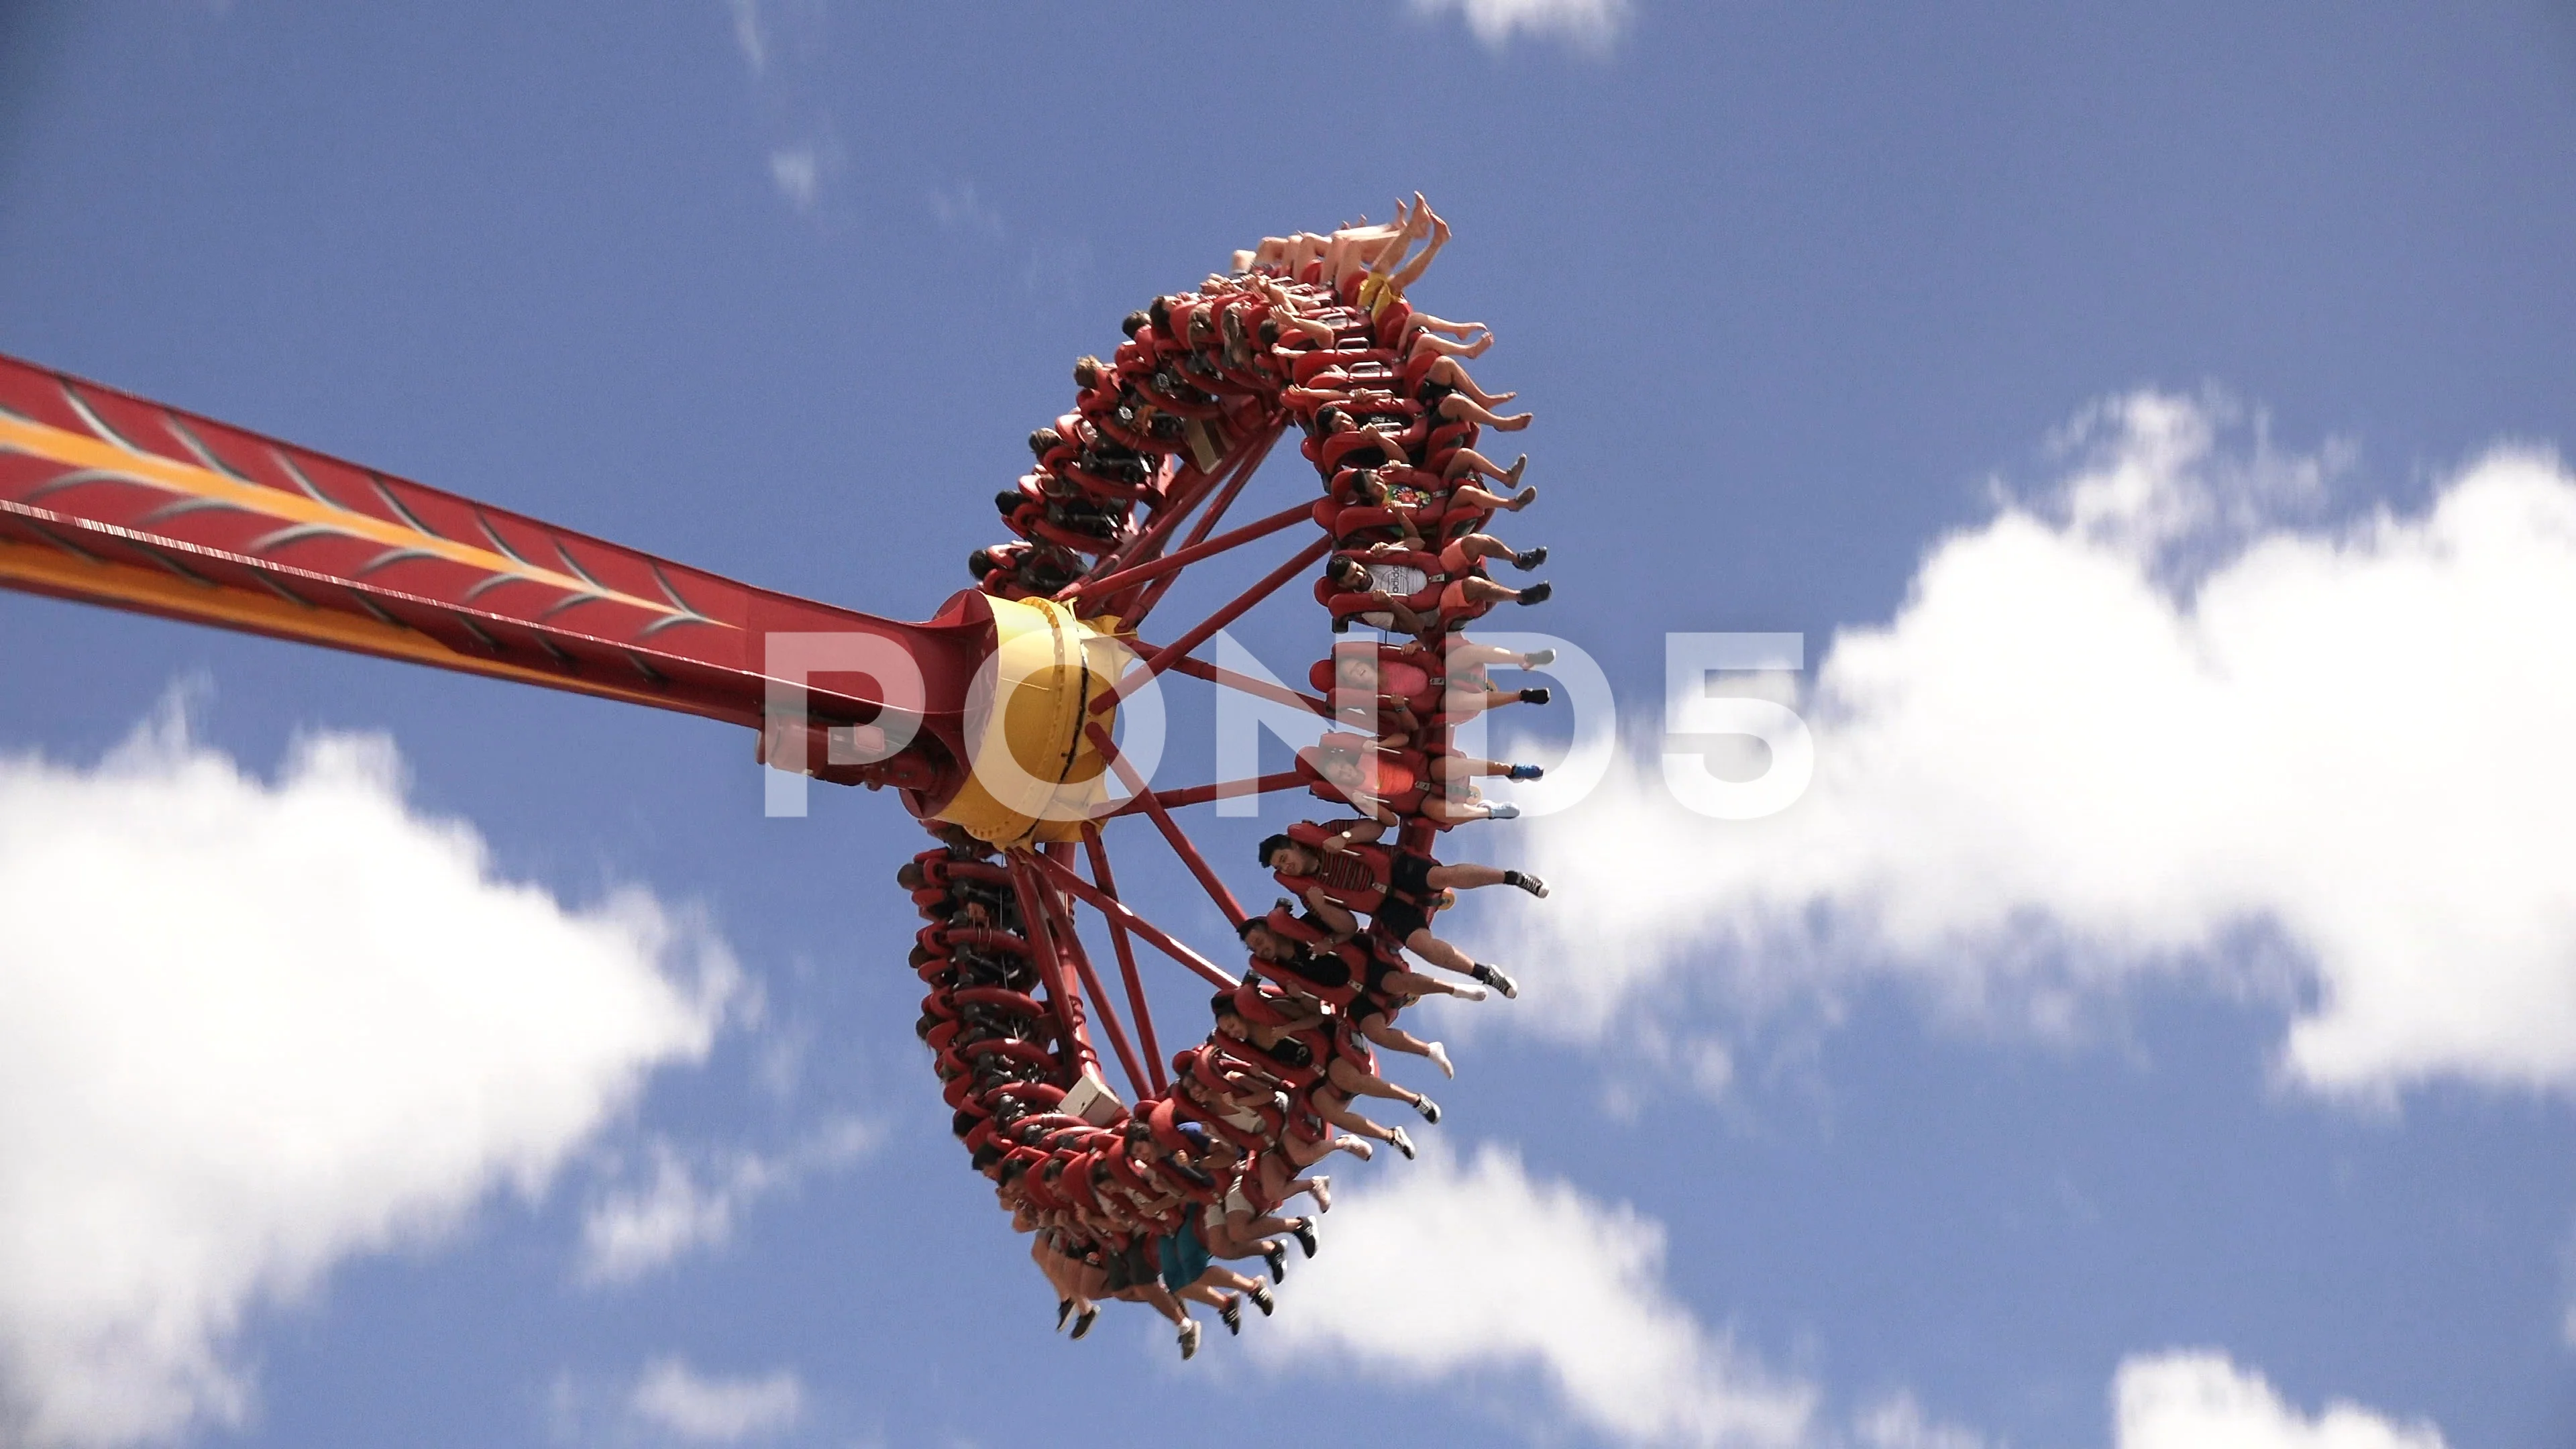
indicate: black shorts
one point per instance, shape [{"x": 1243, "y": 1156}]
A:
[{"x": 1411, "y": 874}]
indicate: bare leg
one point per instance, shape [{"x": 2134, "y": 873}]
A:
[
  {"x": 1457, "y": 407},
  {"x": 1470, "y": 463},
  {"x": 1350, "y": 1079},
  {"x": 1448, "y": 373},
  {"x": 1438, "y": 952}
]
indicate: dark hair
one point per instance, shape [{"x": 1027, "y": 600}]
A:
[
  {"x": 1343, "y": 563},
  {"x": 1009, "y": 501},
  {"x": 964, "y": 1122},
  {"x": 1270, "y": 846},
  {"x": 1014, "y": 1170},
  {"x": 1223, "y": 1004},
  {"x": 1159, "y": 312},
  {"x": 1044, "y": 440},
  {"x": 980, "y": 562},
  {"x": 908, "y": 875},
  {"x": 1243, "y": 928},
  {"x": 921, "y": 956},
  {"x": 1086, "y": 371},
  {"x": 1133, "y": 323},
  {"x": 1324, "y": 416},
  {"x": 1268, "y": 331},
  {"x": 984, "y": 1158}
]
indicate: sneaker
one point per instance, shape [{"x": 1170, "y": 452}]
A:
[
  {"x": 1526, "y": 772},
  {"x": 1429, "y": 1109},
  {"x": 1305, "y": 1231},
  {"x": 1530, "y": 559},
  {"x": 1537, "y": 593},
  {"x": 1538, "y": 659},
  {"x": 1493, "y": 976},
  {"x": 1467, "y": 993},
  {"x": 1530, "y": 883},
  {"x": 1276, "y": 1256},
  {"x": 1536, "y": 694},
  {"x": 1232, "y": 1314},
  {"x": 1502, "y": 810},
  {"x": 1082, "y": 1322},
  {"x": 1401, "y": 1143},
  {"x": 1440, "y": 1054},
  {"x": 1190, "y": 1339},
  {"x": 1063, "y": 1311},
  {"x": 1262, "y": 1299}
]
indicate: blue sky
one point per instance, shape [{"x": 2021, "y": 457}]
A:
[{"x": 2155, "y": 1002}]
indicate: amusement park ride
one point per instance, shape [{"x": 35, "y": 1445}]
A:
[{"x": 994, "y": 720}]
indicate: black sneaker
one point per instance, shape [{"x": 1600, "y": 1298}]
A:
[
  {"x": 1262, "y": 1300},
  {"x": 1530, "y": 883},
  {"x": 1276, "y": 1255},
  {"x": 1536, "y": 694},
  {"x": 1305, "y": 1231},
  {"x": 1063, "y": 1311},
  {"x": 1232, "y": 1313},
  {"x": 1493, "y": 976},
  {"x": 1537, "y": 593},
  {"x": 1190, "y": 1339},
  {"x": 1530, "y": 560},
  {"x": 1401, "y": 1143},
  {"x": 1082, "y": 1325}
]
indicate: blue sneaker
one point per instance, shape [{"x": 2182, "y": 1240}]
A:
[{"x": 1524, "y": 772}]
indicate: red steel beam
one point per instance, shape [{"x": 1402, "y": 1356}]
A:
[
  {"x": 1253, "y": 457},
  {"x": 1153, "y": 936},
  {"x": 1100, "y": 1003},
  {"x": 1182, "y": 558},
  {"x": 1108, "y": 885},
  {"x": 1207, "y": 627},
  {"x": 1225, "y": 790},
  {"x": 1039, "y": 926},
  {"x": 1172, "y": 835}
]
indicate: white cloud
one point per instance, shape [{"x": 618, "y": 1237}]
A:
[
  {"x": 1899, "y": 1422},
  {"x": 632, "y": 1231},
  {"x": 248, "y": 1030},
  {"x": 2132, "y": 730},
  {"x": 958, "y": 208},
  {"x": 1442, "y": 1270},
  {"x": 750, "y": 35},
  {"x": 679, "y": 1400},
  {"x": 2199, "y": 1400},
  {"x": 797, "y": 171},
  {"x": 1592, "y": 24}
]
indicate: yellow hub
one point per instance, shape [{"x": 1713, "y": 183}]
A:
[{"x": 1035, "y": 773}]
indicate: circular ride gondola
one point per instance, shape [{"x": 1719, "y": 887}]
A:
[{"x": 995, "y": 721}]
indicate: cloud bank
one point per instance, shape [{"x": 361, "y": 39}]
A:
[
  {"x": 708, "y": 1409},
  {"x": 249, "y": 1029},
  {"x": 2135, "y": 729},
  {"x": 1453, "y": 1267},
  {"x": 1591, "y": 24},
  {"x": 2200, "y": 1400}
]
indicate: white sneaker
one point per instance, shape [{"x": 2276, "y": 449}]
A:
[{"x": 1190, "y": 1339}]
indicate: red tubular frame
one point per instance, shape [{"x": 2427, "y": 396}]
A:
[
  {"x": 1182, "y": 558},
  {"x": 1100, "y": 1003},
  {"x": 1246, "y": 684},
  {"x": 1107, "y": 884},
  {"x": 1172, "y": 835},
  {"x": 1117, "y": 910},
  {"x": 1039, "y": 926},
  {"x": 1202, "y": 794},
  {"x": 1253, "y": 458},
  {"x": 1207, "y": 627}
]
